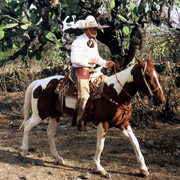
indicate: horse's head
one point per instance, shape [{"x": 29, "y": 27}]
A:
[{"x": 149, "y": 82}]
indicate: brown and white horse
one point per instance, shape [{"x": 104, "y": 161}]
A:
[{"x": 118, "y": 92}]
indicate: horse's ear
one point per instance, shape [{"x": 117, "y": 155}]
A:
[
  {"x": 140, "y": 63},
  {"x": 148, "y": 61}
]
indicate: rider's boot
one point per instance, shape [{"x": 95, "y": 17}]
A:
[
  {"x": 74, "y": 118},
  {"x": 79, "y": 121}
]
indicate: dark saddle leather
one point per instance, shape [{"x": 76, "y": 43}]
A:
[{"x": 66, "y": 87}]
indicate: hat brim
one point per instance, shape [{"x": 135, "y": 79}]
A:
[
  {"x": 99, "y": 27},
  {"x": 81, "y": 24}
]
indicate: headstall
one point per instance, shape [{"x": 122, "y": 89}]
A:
[{"x": 145, "y": 81}]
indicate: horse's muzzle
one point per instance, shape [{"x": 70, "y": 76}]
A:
[{"x": 158, "y": 101}]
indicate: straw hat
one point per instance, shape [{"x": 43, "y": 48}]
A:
[{"x": 89, "y": 22}]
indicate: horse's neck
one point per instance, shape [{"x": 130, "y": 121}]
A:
[
  {"x": 120, "y": 79},
  {"x": 121, "y": 87}
]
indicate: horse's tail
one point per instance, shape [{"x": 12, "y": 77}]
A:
[{"x": 27, "y": 102}]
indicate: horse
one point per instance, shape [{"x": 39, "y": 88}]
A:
[{"x": 118, "y": 92}]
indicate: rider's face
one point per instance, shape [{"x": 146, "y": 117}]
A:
[{"x": 91, "y": 32}]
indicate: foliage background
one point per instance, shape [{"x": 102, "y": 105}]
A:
[{"x": 33, "y": 43}]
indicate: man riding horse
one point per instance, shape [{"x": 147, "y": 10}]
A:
[{"x": 84, "y": 57}]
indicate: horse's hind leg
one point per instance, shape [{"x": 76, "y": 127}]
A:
[
  {"x": 51, "y": 132},
  {"x": 133, "y": 140},
  {"x": 28, "y": 125}
]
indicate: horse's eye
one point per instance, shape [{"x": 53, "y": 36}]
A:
[{"x": 148, "y": 78}]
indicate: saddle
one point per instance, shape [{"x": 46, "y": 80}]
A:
[{"x": 67, "y": 87}]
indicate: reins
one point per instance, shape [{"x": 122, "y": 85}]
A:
[
  {"x": 115, "y": 65},
  {"x": 141, "y": 101},
  {"x": 100, "y": 92}
]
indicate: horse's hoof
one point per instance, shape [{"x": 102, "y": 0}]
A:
[
  {"x": 108, "y": 175},
  {"x": 23, "y": 153},
  {"x": 60, "y": 162},
  {"x": 104, "y": 173},
  {"x": 144, "y": 172}
]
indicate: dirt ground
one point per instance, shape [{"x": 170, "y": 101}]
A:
[{"x": 160, "y": 147}]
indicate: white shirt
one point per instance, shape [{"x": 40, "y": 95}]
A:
[{"x": 81, "y": 53}]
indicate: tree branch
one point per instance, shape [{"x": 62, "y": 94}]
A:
[{"x": 22, "y": 51}]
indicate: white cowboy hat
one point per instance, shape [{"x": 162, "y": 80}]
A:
[{"x": 89, "y": 22}]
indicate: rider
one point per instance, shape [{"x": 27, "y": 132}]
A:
[{"x": 84, "y": 57}]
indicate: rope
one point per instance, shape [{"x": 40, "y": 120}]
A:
[{"x": 147, "y": 107}]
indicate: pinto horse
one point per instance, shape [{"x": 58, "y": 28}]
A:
[{"x": 42, "y": 102}]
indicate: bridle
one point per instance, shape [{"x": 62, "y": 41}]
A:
[{"x": 151, "y": 93}]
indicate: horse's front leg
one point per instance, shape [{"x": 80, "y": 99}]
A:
[
  {"x": 51, "y": 132},
  {"x": 133, "y": 140},
  {"x": 99, "y": 149}
]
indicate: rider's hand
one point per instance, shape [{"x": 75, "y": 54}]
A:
[
  {"x": 93, "y": 61},
  {"x": 109, "y": 64}
]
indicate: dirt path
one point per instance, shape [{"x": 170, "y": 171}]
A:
[{"x": 160, "y": 147}]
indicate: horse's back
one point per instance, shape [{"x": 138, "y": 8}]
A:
[{"x": 45, "y": 81}]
